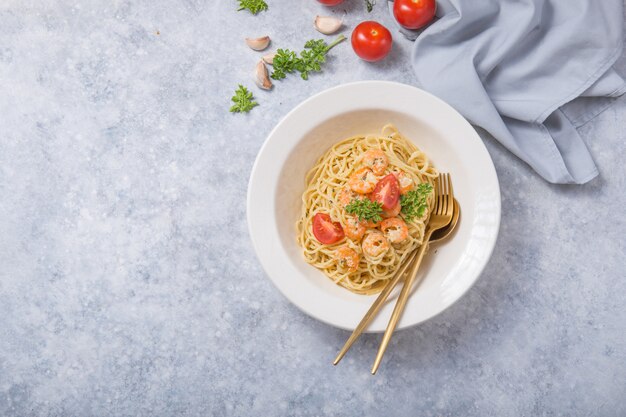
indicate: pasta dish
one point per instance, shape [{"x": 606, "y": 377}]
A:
[{"x": 365, "y": 208}]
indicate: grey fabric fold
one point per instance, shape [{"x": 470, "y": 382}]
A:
[{"x": 527, "y": 71}]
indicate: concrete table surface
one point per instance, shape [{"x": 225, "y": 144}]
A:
[{"x": 128, "y": 283}]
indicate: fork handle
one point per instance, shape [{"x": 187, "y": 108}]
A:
[
  {"x": 401, "y": 303},
  {"x": 374, "y": 309}
]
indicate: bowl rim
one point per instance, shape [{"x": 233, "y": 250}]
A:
[{"x": 481, "y": 148}]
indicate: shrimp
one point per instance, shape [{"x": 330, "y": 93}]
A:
[
  {"x": 406, "y": 182},
  {"x": 354, "y": 228},
  {"x": 375, "y": 244},
  {"x": 347, "y": 195},
  {"x": 376, "y": 160},
  {"x": 395, "y": 229},
  {"x": 372, "y": 224},
  {"x": 363, "y": 181},
  {"x": 347, "y": 258}
]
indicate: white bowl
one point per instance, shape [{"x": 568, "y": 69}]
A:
[{"x": 291, "y": 149}]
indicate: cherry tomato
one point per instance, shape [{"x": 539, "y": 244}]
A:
[
  {"x": 371, "y": 41},
  {"x": 325, "y": 230},
  {"x": 330, "y": 2},
  {"x": 387, "y": 192},
  {"x": 414, "y": 14}
]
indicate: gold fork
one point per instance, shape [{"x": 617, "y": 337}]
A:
[
  {"x": 382, "y": 298},
  {"x": 440, "y": 217}
]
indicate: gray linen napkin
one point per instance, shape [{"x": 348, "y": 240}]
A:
[{"x": 527, "y": 71}]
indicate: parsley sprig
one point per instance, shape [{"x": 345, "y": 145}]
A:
[
  {"x": 254, "y": 6},
  {"x": 243, "y": 99},
  {"x": 310, "y": 60},
  {"x": 365, "y": 209},
  {"x": 414, "y": 202},
  {"x": 284, "y": 63},
  {"x": 370, "y": 5}
]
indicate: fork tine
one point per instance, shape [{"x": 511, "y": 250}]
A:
[
  {"x": 438, "y": 186},
  {"x": 439, "y": 201},
  {"x": 444, "y": 192},
  {"x": 450, "y": 196},
  {"x": 436, "y": 195}
]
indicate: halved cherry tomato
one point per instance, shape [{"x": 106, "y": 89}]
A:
[
  {"x": 330, "y": 2},
  {"x": 414, "y": 14},
  {"x": 325, "y": 230},
  {"x": 371, "y": 41},
  {"x": 387, "y": 192}
]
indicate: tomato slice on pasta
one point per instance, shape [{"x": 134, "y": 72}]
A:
[
  {"x": 325, "y": 230},
  {"x": 387, "y": 192}
]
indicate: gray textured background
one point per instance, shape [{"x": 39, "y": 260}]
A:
[{"x": 128, "y": 284}]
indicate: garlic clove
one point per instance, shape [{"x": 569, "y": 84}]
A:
[
  {"x": 262, "y": 76},
  {"x": 269, "y": 58},
  {"x": 258, "y": 44},
  {"x": 327, "y": 24}
]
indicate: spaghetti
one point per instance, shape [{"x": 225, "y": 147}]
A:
[{"x": 342, "y": 179}]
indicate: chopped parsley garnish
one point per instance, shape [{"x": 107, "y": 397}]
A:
[
  {"x": 365, "y": 209},
  {"x": 414, "y": 202}
]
